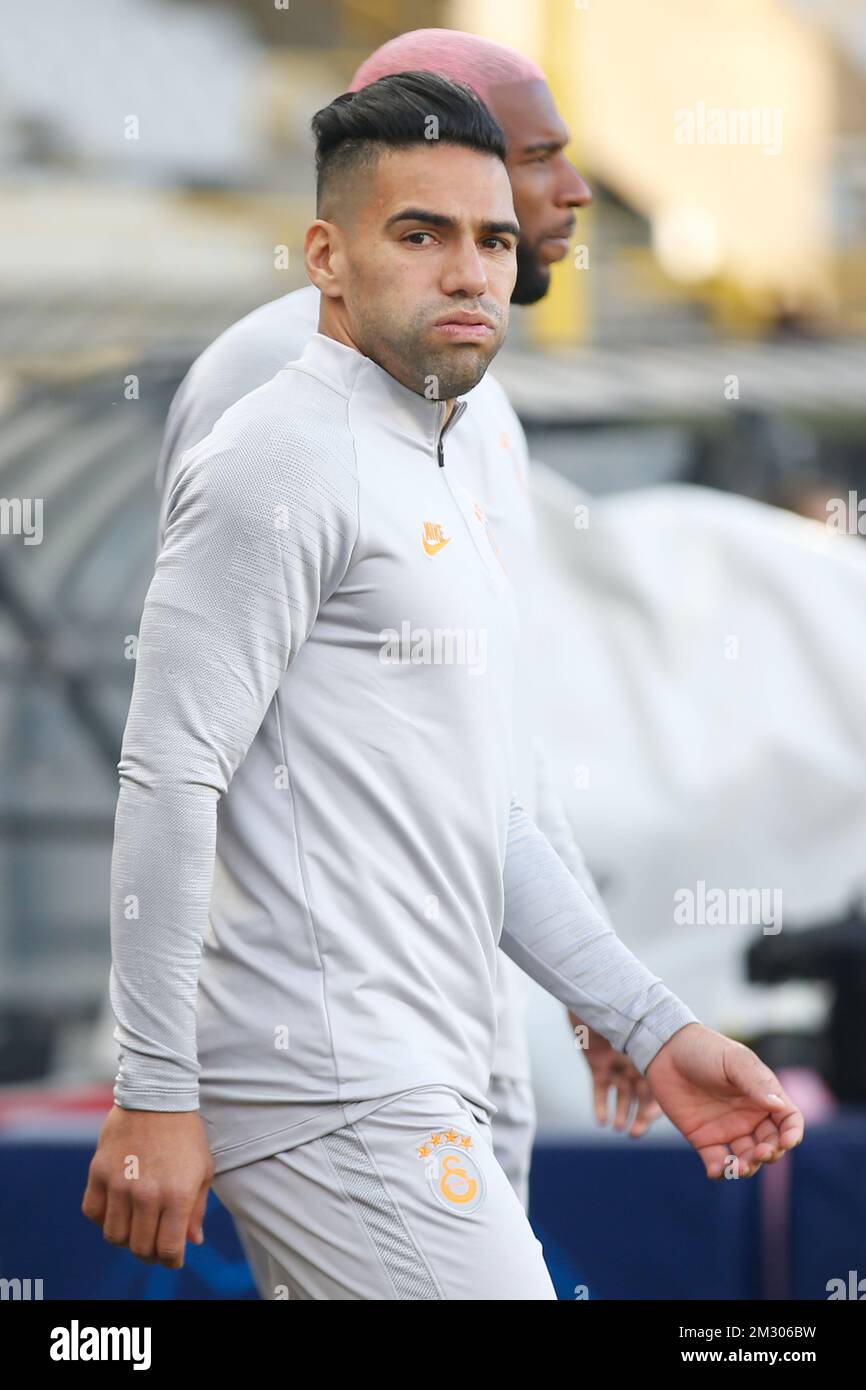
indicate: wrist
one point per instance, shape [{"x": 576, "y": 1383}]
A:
[{"x": 656, "y": 1029}]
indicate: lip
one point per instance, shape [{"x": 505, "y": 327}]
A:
[
  {"x": 471, "y": 332},
  {"x": 469, "y": 316},
  {"x": 566, "y": 234},
  {"x": 555, "y": 247}
]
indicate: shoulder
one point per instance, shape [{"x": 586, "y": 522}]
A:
[
  {"x": 291, "y": 433},
  {"x": 249, "y": 352},
  {"x": 275, "y": 332},
  {"x": 244, "y": 356}
]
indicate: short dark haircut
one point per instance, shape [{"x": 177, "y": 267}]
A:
[{"x": 395, "y": 111}]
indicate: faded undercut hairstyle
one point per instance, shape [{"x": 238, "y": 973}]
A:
[{"x": 407, "y": 108}]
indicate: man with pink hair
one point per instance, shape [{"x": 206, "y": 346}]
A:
[
  {"x": 482, "y": 64},
  {"x": 545, "y": 184}
]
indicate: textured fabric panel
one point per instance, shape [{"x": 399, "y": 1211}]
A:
[
  {"x": 406, "y": 1267},
  {"x": 261, "y": 523}
]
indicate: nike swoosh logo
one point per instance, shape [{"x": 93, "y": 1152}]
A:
[{"x": 436, "y": 545}]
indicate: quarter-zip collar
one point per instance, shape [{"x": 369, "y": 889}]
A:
[
  {"x": 459, "y": 407},
  {"x": 404, "y": 410}
]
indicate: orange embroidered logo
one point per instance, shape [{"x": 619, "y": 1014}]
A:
[
  {"x": 433, "y": 540},
  {"x": 455, "y": 1177}
]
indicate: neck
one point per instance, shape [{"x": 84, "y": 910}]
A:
[{"x": 333, "y": 324}]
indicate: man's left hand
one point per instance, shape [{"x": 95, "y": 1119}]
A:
[{"x": 722, "y": 1097}]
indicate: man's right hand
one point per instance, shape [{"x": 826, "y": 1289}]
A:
[{"x": 148, "y": 1182}]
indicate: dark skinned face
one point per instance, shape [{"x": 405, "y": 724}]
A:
[{"x": 545, "y": 185}]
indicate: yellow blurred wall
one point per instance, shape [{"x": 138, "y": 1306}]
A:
[{"x": 629, "y": 75}]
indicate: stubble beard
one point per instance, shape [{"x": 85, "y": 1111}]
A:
[{"x": 437, "y": 372}]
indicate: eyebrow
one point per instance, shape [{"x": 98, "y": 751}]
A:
[
  {"x": 544, "y": 147},
  {"x": 441, "y": 219}
]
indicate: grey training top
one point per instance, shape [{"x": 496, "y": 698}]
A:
[
  {"x": 488, "y": 454},
  {"x": 317, "y": 843}
]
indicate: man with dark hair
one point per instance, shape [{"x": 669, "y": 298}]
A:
[
  {"x": 421, "y": 115},
  {"x": 488, "y": 453},
  {"x": 351, "y": 132},
  {"x": 319, "y": 731}
]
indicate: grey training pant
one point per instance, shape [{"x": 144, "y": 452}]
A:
[{"x": 408, "y": 1202}]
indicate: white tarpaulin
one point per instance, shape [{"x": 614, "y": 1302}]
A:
[{"x": 700, "y": 660}]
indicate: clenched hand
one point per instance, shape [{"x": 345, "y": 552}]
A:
[{"x": 148, "y": 1182}]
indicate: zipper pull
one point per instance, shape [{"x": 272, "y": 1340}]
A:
[{"x": 454, "y": 417}]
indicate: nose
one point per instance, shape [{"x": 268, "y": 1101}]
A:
[
  {"x": 573, "y": 191},
  {"x": 464, "y": 271}
]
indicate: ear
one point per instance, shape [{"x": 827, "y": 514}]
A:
[{"x": 322, "y": 257}]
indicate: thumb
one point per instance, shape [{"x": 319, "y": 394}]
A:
[
  {"x": 774, "y": 1099},
  {"x": 761, "y": 1085}
]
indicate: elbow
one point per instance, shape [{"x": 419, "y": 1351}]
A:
[{"x": 172, "y": 778}]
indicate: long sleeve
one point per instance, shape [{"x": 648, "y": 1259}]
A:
[
  {"x": 553, "y": 931},
  {"x": 260, "y": 529},
  {"x": 553, "y": 823},
  {"x": 548, "y": 809}
]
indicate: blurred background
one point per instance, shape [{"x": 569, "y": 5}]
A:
[{"x": 693, "y": 390}]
